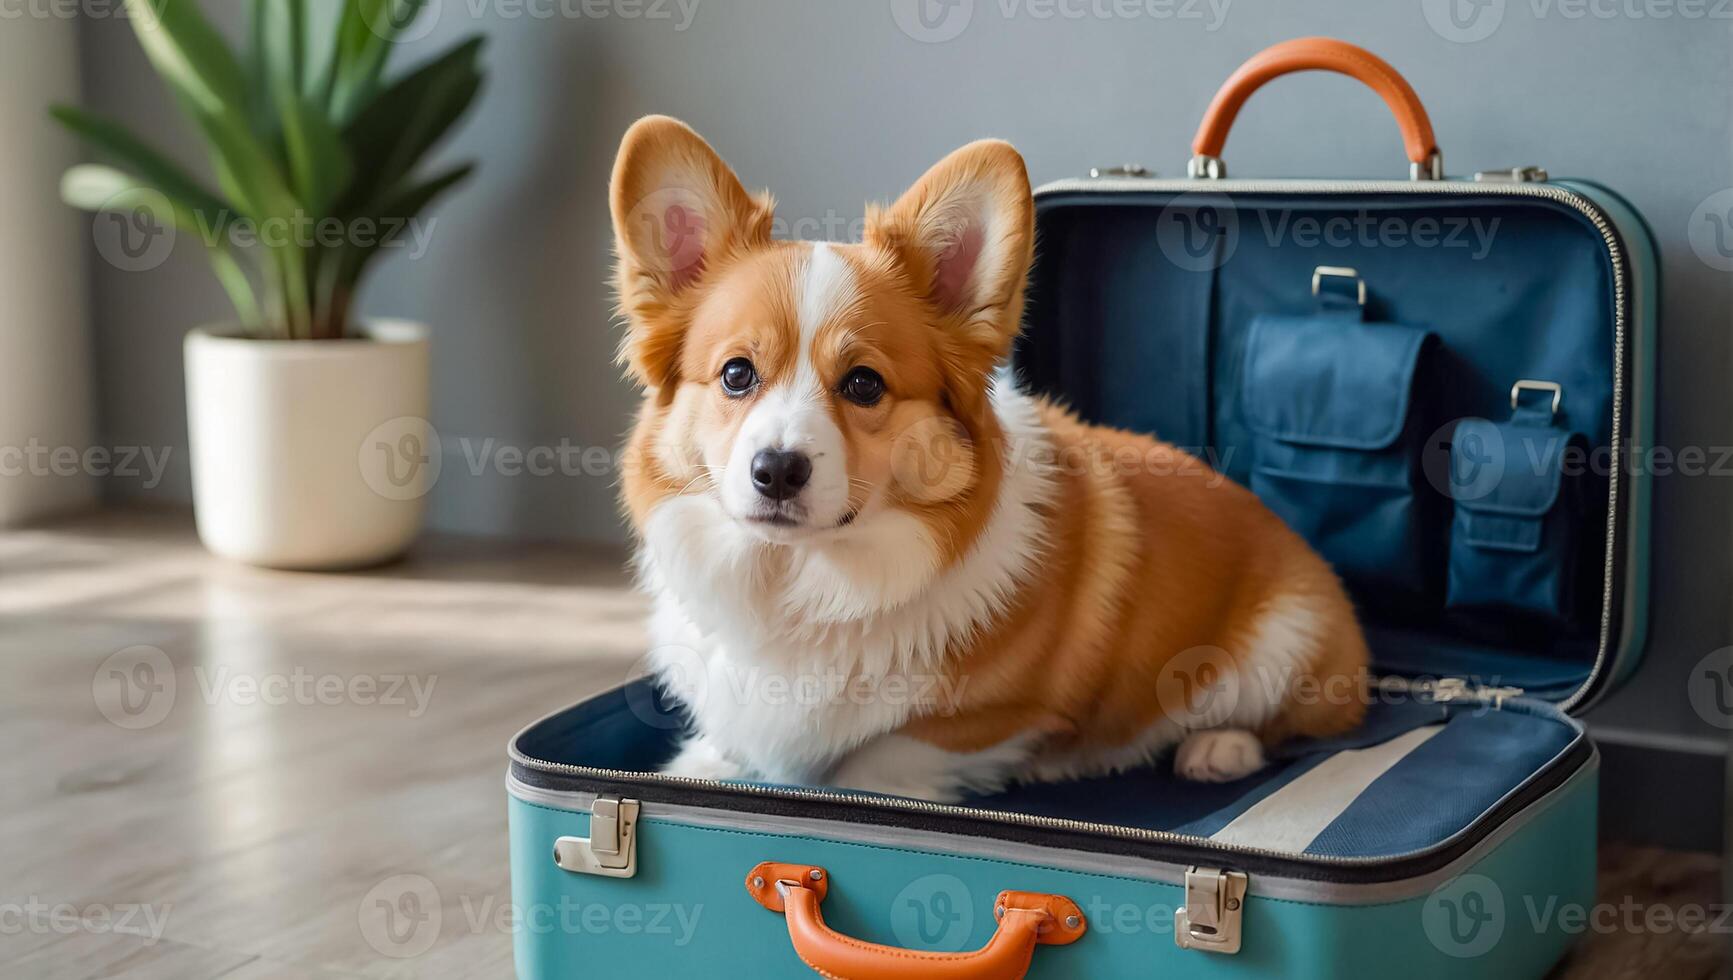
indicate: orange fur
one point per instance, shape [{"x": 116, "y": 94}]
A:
[{"x": 1140, "y": 565}]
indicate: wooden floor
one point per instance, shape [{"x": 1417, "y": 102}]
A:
[{"x": 213, "y": 771}]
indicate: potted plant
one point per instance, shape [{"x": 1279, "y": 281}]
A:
[{"x": 309, "y": 441}]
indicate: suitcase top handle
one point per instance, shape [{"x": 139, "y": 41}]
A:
[
  {"x": 1025, "y": 920},
  {"x": 1317, "y": 54}
]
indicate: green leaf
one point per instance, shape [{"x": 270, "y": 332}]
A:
[
  {"x": 319, "y": 164},
  {"x": 277, "y": 60},
  {"x": 392, "y": 216},
  {"x": 114, "y": 140},
  {"x": 411, "y": 201},
  {"x": 287, "y": 143},
  {"x": 189, "y": 54},
  {"x": 284, "y": 41},
  {"x": 235, "y": 283},
  {"x": 397, "y": 128},
  {"x": 365, "y": 37},
  {"x": 93, "y": 187},
  {"x": 341, "y": 271}
]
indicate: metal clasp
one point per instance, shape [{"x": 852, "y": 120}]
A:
[
  {"x": 1512, "y": 175},
  {"x": 1516, "y": 390},
  {"x": 1337, "y": 272},
  {"x": 1124, "y": 170},
  {"x": 611, "y": 850},
  {"x": 1210, "y": 919},
  {"x": 1431, "y": 169},
  {"x": 1205, "y": 167}
]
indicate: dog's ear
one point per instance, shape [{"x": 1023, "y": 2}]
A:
[
  {"x": 679, "y": 213},
  {"x": 965, "y": 235}
]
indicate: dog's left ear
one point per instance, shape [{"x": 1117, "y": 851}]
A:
[{"x": 965, "y": 234}]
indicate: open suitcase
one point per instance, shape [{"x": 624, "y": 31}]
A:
[{"x": 1437, "y": 382}]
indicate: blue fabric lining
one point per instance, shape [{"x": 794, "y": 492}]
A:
[
  {"x": 1155, "y": 340},
  {"x": 1443, "y": 785},
  {"x": 1433, "y": 793}
]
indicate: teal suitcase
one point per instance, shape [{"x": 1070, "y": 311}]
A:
[{"x": 1488, "y": 346}]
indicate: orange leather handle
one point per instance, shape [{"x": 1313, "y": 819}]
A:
[
  {"x": 1026, "y": 920},
  {"x": 1318, "y": 54}
]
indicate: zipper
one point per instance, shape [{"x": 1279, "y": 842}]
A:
[
  {"x": 632, "y": 783},
  {"x": 1531, "y": 188}
]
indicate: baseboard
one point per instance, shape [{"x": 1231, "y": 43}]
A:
[{"x": 1663, "y": 792}]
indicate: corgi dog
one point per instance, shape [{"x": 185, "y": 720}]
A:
[{"x": 875, "y": 563}]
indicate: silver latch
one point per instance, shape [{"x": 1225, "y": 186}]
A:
[
  {"x": 611, "y": 850},
  {"x": 1215, "y": 901},
  {"x": 1123, "y": 170},
  {"x": 1512, "y": 175}
]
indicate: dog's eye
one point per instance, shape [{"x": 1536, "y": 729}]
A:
[
  {"x": 738, "y": 376},
  {"x": 863, "y": 386}
]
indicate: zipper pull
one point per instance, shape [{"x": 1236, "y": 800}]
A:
[{"x": 1448, "y": 690}]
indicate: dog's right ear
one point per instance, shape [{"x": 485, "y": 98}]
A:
[{"x": 679, "y": 212}]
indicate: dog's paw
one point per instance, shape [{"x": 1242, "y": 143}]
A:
[
  {"x": 699, "y": 759},
  {"x": 1218, "y": 756}
]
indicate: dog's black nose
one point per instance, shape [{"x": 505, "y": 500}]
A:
[{"x": 779, "y": 473}]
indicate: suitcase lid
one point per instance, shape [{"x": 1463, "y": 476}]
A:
[{"x": 1145, "y": 291}]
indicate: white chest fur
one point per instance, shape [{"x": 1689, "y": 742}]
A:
[{"x": 792, "y": 656}]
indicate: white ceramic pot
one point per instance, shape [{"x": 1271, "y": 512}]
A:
[{"x": 310, "y": 454}]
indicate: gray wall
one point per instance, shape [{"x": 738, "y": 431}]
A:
[
  {"x": 830, "y": 104},
  {"x": 45, "y": 403}
]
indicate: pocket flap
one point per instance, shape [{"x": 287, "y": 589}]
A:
[
  {"x": 1326, "y": 380},
  {"x": 1499, "y": 532},
  {"x": 1509, "y": 469}
]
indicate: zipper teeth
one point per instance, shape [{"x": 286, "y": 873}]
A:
[
  {"x": 1620, "y": 300},
  {"x": 944, "y": 809},
  {"x": 1112, "y": 831},
  {"x": 1008, "y": 816}
]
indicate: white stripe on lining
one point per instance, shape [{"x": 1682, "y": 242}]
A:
[{"x": 1292, "y": 817}]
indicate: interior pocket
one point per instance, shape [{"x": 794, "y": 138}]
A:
[
  {"x": 1513, "y": 539},
  {"x": 1328, "y": 399}
]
